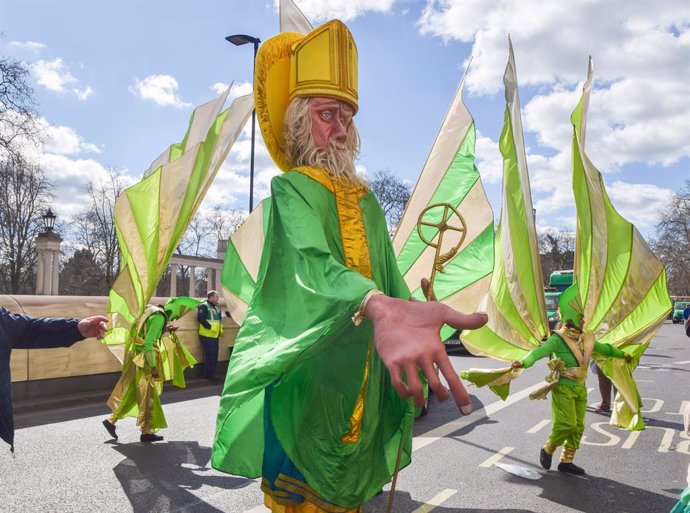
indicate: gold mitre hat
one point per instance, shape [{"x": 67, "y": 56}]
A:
[{"x": 291, "y": 65}]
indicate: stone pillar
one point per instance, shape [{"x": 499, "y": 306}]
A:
[
  {"x": 210, "y": 279},
  {"x": 218, "y": 276},
  {"x": 39, "y": 273},
  {"x": 192, "y": 281},
  {"x": 47, "y": 273},
  {"x": 220, "y": 248},
  {"x": 54, "y": 289},
  {"x": 173, "y": 280}
]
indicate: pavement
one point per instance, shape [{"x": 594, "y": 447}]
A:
[{"x": 485, "y": 462}]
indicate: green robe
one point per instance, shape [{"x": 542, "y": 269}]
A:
[{"x": 299, "y": 336}]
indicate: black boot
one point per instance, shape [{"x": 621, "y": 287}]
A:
[
  {"x": 110, "y": 427},
  {"x": 570, "y": 468},
  {"x": 545, "y": 459},
  {"x": 150, "y": 437}
]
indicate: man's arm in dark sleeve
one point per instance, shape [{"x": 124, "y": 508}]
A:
[
  {"x": 26, "y": 332},
  {"x": 201, "y": 314}
]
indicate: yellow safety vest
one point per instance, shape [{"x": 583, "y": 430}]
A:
[{"x": 213, "y": 318}]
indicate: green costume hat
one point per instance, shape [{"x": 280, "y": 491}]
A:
[
  {"x": 570, "y": 305},
  {"x": 176, "y": 307}
]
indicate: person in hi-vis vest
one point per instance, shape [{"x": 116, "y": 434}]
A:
[{"x": 210, "y": 330}]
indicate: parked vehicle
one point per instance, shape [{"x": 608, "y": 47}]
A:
[
  {"x": 678, "y": 308},
  {"x": 551, "y": 295},
  {"x": 561, "y": 280}
]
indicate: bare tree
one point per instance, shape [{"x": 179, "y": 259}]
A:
[
  {"x": 94, "y": 228},
  {"x": 392, "y": 194},
  {"x": 223, "y": 223},
  {"x": 17, "y": 114},
  {"x": 557, "y": 251},
  {"x": 672, "y": 242},
  {"x": 24, "y": 196}
]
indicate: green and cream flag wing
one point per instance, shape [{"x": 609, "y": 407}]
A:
[
  {"x": 622, "y": 283},
  {"x": 152, "y": 215},
  {"x": 242, "y": 260},
  {"x": 450, "y": 176},
  {"x": 515, "y": 303},
  {"x": 292, "y": 19}
]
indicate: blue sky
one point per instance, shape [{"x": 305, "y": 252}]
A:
[{"x": 116, "y": 82}]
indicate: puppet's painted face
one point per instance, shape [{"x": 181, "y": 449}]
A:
[{"x": 330, "y": 120}]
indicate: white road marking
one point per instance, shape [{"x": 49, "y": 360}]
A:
[
  {"x": 537, "y": 427},
  {"x": 489, "y": 462},
  {"x": 259, "y": 509},
  {"x": 436, "y": 501},
  {"x": 681, "y": 363},
  {"x": 440, "y": 432},
  {"x": 681, "y": 411}
]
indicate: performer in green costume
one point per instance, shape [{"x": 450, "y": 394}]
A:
[
  {"x": 314, "y": 399},
  {"x": 571, "y": 349},
  {"x": 151, "y": 358}
]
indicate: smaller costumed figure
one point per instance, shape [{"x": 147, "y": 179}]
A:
[
  {"x": 154, "y": 354},
  {"x": 571, "y": 348}
]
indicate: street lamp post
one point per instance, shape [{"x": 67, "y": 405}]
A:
[
  {"x": 48, "y": 256},
  {"x": 238, "y": 40}
]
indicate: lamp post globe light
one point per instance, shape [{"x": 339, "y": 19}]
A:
[
  {"x": 48, "y": 257},
  {"x": 239, "y": 40},
  {"x": 48, "y": 220}
]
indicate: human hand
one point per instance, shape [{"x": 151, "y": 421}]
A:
[
  {"x": 628, "y": 358},
  {"x": 517, "y": 364},
  {"x": 406, "y": 335},
  {"x": 171, "y": 328},
  {"x": 154, "y": 372},
  {"x": 94, "y": 326}
]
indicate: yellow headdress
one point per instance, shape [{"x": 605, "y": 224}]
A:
[{"x": 291, "y": 65}]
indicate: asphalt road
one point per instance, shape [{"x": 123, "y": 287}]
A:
[{"x": 485, "y": 462}]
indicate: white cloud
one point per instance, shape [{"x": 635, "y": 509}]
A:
[
  {"x": 34, "y": 46},
  {"x": 83, "y": 94},
  {"x": 70, "y": 178},
  {"x": 345, "y": 10},
  {"x": 639, "y": 203},
  {"x": 64, "y": 140},
  {"x": 55, "y": 76},
  {"x": 488, "y": 159},
  {"x": 640, "y": 108},
  {"x": 640, "y": 103},
  {"x": 160, "y": 89},
  {"x": 237, "y": 89}
]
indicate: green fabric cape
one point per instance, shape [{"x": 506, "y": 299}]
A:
[{"x": 299, "y": 336}]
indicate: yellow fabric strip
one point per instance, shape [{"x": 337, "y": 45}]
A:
[
  {"x": 356, "y": 252},
  {"x": 299, "y": 488}
]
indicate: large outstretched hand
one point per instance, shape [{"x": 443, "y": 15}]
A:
[
  {"x": 406, "y": 335},
  {"x": 93, "y": 326}
]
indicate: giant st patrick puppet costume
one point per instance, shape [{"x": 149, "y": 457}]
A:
[{"x": 314, "y": 400}]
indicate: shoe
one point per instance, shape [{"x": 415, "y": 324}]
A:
[
  {"x": 111, "y": 428},
  {"x": 150, "y": 437},
  {"x": 570, "y": 468},
  {"x": 545, "y": 459},
  {"x": 603, "y": 408}
]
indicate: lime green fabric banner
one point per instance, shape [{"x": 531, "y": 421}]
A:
[
  {"x": 622, "y": 283},
  {"x": 152, "y": 215},
  {"x": 515, "y": 303}
]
